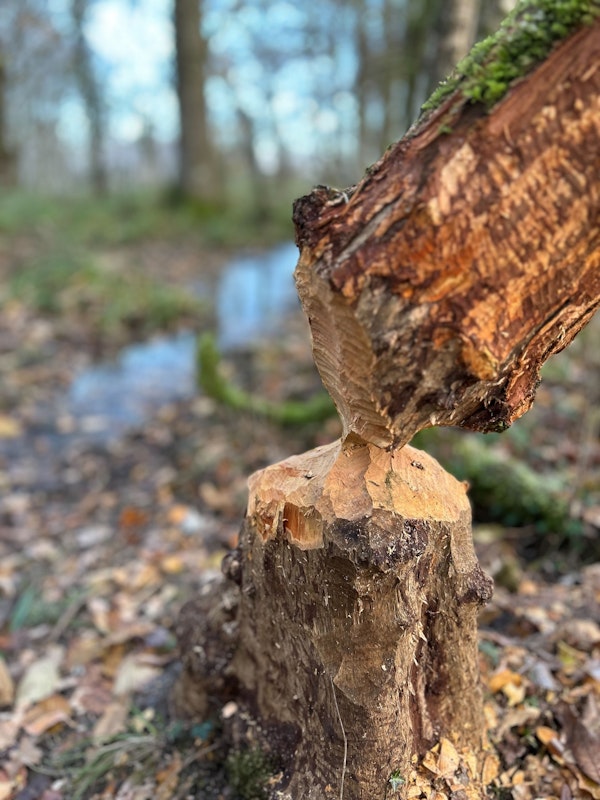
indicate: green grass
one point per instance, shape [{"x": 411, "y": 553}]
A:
[
  {"x": 248, "y": 772},
  {"x": 64, "y": 249},
  {"x": 69, "y": 282},
  {"x": 127, "y": 219}
]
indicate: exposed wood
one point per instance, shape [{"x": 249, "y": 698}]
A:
[
  {"x": 467, "y": 255},
  {"x": 360, "y": 561}
]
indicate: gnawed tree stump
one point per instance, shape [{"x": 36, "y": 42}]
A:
[
  {"x": 435, "y": 290},
  {"x": 361, "y": 560}
]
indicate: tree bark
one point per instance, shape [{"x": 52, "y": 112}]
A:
[
  {"x": 363, "y": 559},
  {"x": 197, "y": 172},
  {"x": 92, "y": 100},
  {"x": 467, "y": 255},
  {"x": 435, "y": 289}
]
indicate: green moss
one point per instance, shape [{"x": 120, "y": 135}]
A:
[
  {"x": 524, "y": 39},
  {"x": 248, "y": 772},
  {"x": 289, "y": 412}
]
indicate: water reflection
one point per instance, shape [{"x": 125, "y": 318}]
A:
[
  {"x": 254, "y": 295},
  {"x": 252, "y": 298}
]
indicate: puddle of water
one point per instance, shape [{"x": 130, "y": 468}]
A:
[
  {"x": 254, "y": 295},
  {"x": 119, "y": 395},
  {"x": 252, "y": 298}
]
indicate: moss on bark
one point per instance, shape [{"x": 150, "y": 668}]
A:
[{"x": 524, "y": 39}]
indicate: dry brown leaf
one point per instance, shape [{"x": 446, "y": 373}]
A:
[
  {"x": 28, "y": 752},
  {"x": 133, "y": 674},
  {"x": 490, "y": 769},
  {"x": 570, "y": 658},
  {"x": 581, "y": 634},
  {"x": 144, "y": 575},
  {"x": 9, "y": 732},
  {"x": 516, "y": 718},
  {"x": 499, "y": 680},
  {"x": 514, "y": 694},
  {"x": 172, "y": 564},
  {"x": 90, "y": 698},
  {"x": 100, "y": 613},
  {"x": 132, "y": 517},
  {"x": 430, "y": 760},
  {"x": 583, "y": 743},
  {"x": 9, "y": 428},
  {"x": 177, "y": 514},
  {"x": 7, "y": 687},
  {"x": 591, "y": 715},
  {"x": 545, "y": 734},
  {"x": 44, "y": 715},
  {"x": 168, "y": 779},
  {"x": 591, "y": 787},
  {"x": 137, "y": 629},
  {"x": 40, "y": 679},
  {"x": 83, "y": 649},
  {"x": 111, "y": 722},
  {"x": 449, "y": 759},
  {"x": 111, "y": 659}
]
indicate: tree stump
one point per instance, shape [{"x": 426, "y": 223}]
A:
[
  {"x": 361, "y": 560},
  {"x": 435, "y": 290}
]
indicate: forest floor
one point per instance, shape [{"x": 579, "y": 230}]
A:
[{"x": 102, "y": 541}]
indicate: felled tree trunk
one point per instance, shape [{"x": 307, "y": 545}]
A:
[{"x": 435, "y": 289}]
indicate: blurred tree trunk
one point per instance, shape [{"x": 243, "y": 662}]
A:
[
  {"x": 362, "y": 86},
  {"x": 455, "y": 30},
  {"x": 8, "y": 158},
  {"x": 260, "y": 188},
  {"x": 197, "y": 173},
  {"x": 91, "y": 95},
  {"x": 491, "y": 14}
]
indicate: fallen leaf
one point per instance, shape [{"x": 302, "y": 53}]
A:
[
  {"x": 590, "y": 787},
  {"x": 490, "y": 769},
  {"x": 44, "y": 715},
  {"x": 449, "y": 759},
  {"x": 9, "y": 731},
  {"x": 582, "y": 742},
  {"x": 99, "y": 610},
  {"x": 83, "y": 649},
  {"x": 168, "y": 779},
  {"x": 111, "y": 722},
  {"x": 40, "y": 678},
  {"x": 6, "y": 789},
  {"x": 132, "y": 675},
  {"x": 28, "y": 752},
  {"x": 9, "y": 428},
  {"x": 172, "y": 564},
  {"x": 514, "y": 694},
  {"x": 132, "y": 517},
  {"x": 7, "y": 687},
  {"x": 570, "y": 658},
  {"x": 545, "y": 734},
  {"x": 500, "y": 679}
]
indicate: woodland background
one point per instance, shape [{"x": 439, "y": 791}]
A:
[{"x": 150, "y": 152}]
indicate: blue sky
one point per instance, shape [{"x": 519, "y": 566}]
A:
[{"x": 134, "y": 45}]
